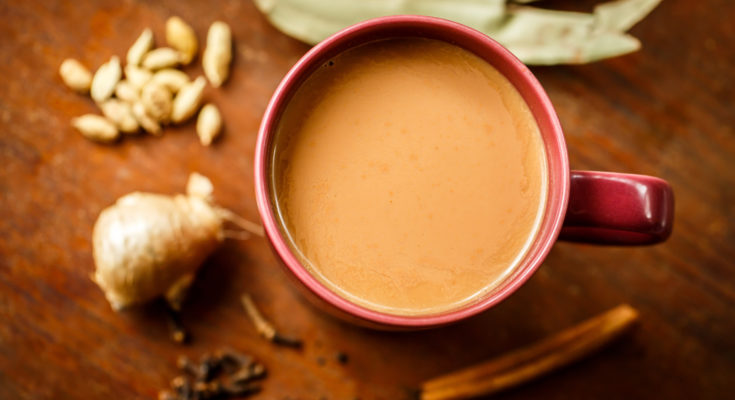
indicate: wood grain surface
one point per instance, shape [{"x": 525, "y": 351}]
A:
[{"x": 666, "y": 110}]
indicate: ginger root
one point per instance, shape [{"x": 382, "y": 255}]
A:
[{"x": 149, "y": 245}]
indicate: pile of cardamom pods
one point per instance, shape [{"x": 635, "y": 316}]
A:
[{"x": 153, "y": 92}]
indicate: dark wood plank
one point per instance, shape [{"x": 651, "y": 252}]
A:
[{"x": 666, "y": 110}]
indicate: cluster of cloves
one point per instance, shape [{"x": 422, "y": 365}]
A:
[{"x": 223, "y": 374}]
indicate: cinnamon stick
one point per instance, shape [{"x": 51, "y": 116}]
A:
[{"x": 530, "y": 362}]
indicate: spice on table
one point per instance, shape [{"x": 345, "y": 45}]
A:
[
  {"x": 171, "y": 79},
  {"x": 207, "y": 389},
  {"x": 149, "y": 91},
  {"x": 140, "y": 47},
  {"x": 182, "y": 387},
  {"x": 148, "y": 123},
  {"x": 216, "y": 390},
  {"x": 75, "y": 75},
  {"x": 184, "y": 364},
  {"x": 264, "y": 327},
  {"x": 137, "y": 76},
  {"x": 181, "y": 37},
  {"x": 253, "y": 372},
  {"x": 234, "y": 359},
  {"x": 242, "y": 390},
  {"x": 167, "y": 395},
  {"x": 223, "y": 374},
  {"x": 157, "y": 100},
  {"x": 218, "y": 54},
  {"x": 139, "y": 243},
  {"x": 178, "y": 332},
  {"x": 105, "y": 79},
  {"x": 95, "y": 127},
  {"x": 525, "y": 364},
  {"x": 187, "y": 100},
  {"x": 162, "y": 57},
  {"x": 209, "y": 124},
  {"x": 121, "y": 114}
]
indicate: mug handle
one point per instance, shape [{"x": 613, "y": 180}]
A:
[{"x": 618, "y": 209}]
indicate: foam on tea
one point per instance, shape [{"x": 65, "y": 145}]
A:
[{"x": 409, "y": 176}]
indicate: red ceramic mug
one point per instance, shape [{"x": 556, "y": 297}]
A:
[{"x": 599, "y": 207}]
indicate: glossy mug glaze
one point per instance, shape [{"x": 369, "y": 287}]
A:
[{"x": 596, "y": 207}]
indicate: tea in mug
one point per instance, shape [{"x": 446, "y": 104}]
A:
[{"x": 409, "y": 176}]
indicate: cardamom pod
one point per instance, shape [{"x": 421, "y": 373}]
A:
[
  {"x": 75, "y": 75},
  {"x": 218, "y": 54},
  {"x": 162, "y": 57},
  {"x": 172, "y": 79},
  {"x": 181, "y": 37},
  {"x": 137, "y": 76},
  {"x": 95, "y": 127},
  {"x": 127, "y": 92},
  {"x": 157, "y": 101},
  {"x": 148, "y": 123},
  {"x": 187, "y": 100},
  {"x": 141, "y": 46},
  {"x": 121, "y": 114},
  {"x": 209, "y": 124},
  {"x": 105, "y": 80}
]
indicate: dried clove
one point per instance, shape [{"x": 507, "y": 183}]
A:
[
  {"x": 241, "y": 390},
  {"x": 186, "y": 365},
  {"x": 209, "y": 365},
  {"x": 167, "y": 395},
  {"x": 222, "y": 374},
  {"x": 247, "y": 374},
  {"x": 178, "y": 332},
  {"x": 208, "y": 390},
  {"x": 207, "y": 368},
  {"x": 264, "y": 327},
  {"x": 233, "y": 358},
  {"x": 286, "y": 341},
  {"x": 258, "y": 370},
  {"x": 182, "y": 387}
]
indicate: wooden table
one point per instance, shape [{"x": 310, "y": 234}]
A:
[{"x": 666, "y": 110}]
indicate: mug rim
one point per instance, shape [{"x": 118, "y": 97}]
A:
[{"x": 553, "y": 216}]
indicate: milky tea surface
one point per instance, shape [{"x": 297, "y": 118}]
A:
[{"x": 410, "y": 176}]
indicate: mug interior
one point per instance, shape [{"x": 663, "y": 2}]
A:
[{"x": 490, "y": 51}]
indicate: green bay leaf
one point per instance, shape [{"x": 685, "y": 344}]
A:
[{"x": 536, "y": 36}]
